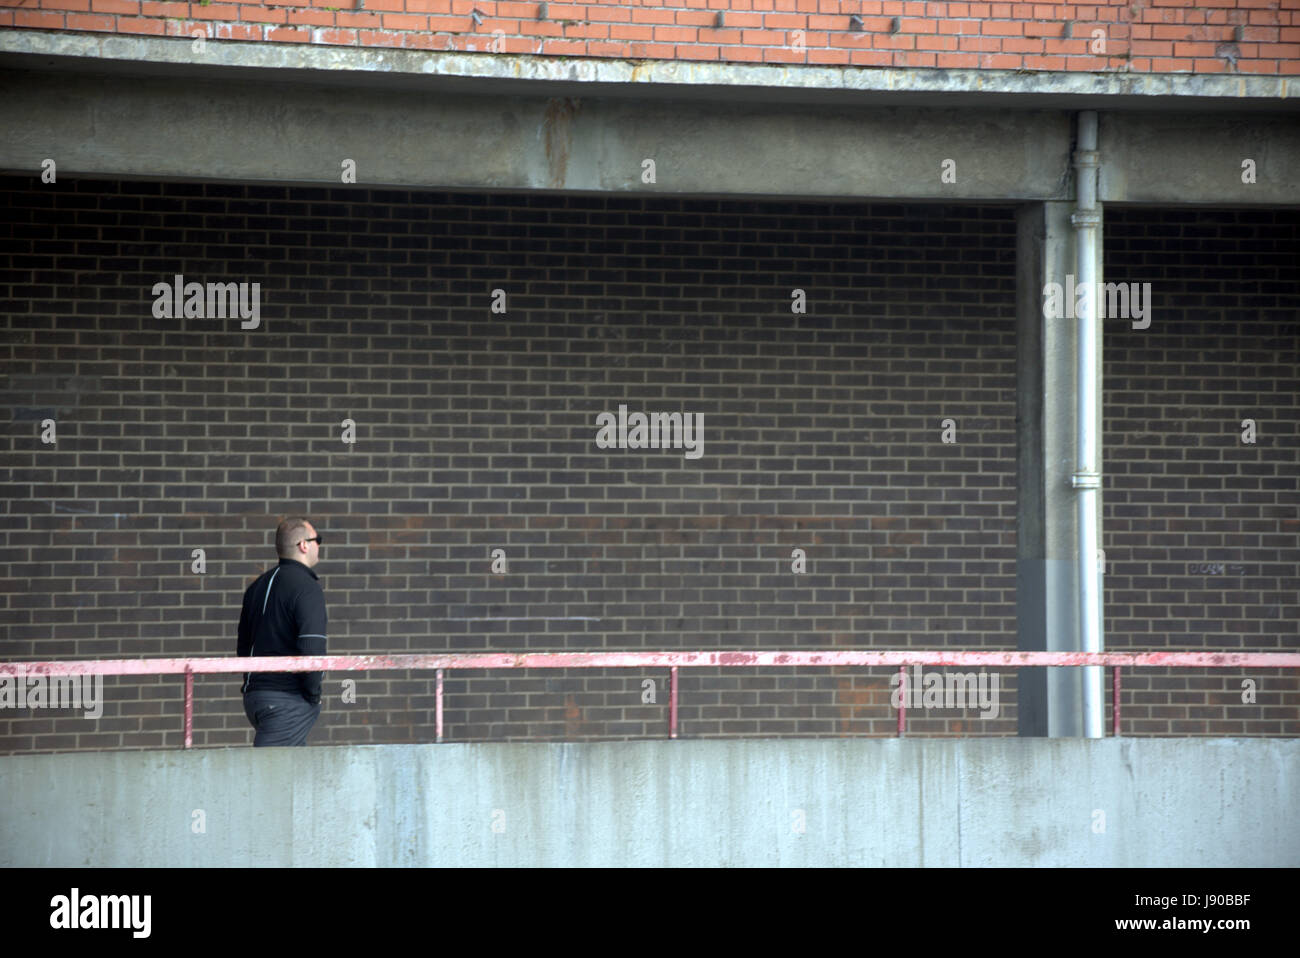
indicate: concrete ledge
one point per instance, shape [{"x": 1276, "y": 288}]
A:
[{"x": 845, "y": 802}]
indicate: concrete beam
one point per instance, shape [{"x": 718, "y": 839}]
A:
[
  {"x": 1170, "y": 160},
  {"x": 245, "y": 114},
  {"x": 245, "y": 131}
]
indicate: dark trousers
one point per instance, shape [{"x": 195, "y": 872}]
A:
[{"x": 280, "y": 718}]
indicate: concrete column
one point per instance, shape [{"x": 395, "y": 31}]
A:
[{"x": 1047, "y": 612}]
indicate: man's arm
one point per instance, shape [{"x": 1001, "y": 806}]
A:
[
  {"x": 245, "y": 643},
  {"x": 309, "y": 613}
]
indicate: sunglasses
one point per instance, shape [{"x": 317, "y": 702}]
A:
[{"x": 316, "y": 539}]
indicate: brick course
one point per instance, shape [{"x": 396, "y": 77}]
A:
[{"x": 1110, "y": 36}]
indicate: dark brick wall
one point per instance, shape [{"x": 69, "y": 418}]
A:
[
  {"x": 476, "y": 431},
  {"x": 1202, "y": 530}
]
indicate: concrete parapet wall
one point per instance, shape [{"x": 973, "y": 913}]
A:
[{"x": 998, "y": 802}]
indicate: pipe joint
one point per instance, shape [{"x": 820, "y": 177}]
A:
[
  {"x": 1086, "y": 480},
  {"x": 1085, "y": 219}
]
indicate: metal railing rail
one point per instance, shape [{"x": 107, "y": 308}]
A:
[{"x": 440, "y": 663}]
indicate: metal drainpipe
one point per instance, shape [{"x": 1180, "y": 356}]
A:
[{"x": 1087, "y": 476}]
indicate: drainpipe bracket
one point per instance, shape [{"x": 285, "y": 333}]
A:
[
  {"x": 1086, "y": 480},
  {"x": 1085, "y": 218}
]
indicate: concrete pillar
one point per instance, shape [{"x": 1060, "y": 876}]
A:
[{"x": 1047, "y": 611}]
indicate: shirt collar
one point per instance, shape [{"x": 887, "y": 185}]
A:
[{"x": 310, "y": 571}]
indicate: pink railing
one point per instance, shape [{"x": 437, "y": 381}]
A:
[{"x": 672, "y": 660}]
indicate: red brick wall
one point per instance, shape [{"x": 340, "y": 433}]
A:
[{"x": 1145, "y": 36}]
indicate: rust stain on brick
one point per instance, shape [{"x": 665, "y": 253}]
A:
[
  {"x": 906, "y": 539},
  {"x": 574, "y": 723},
  {"x": 390, "y": 543},
  {"x": 739, "y": 522},
  {"x": 701, "y": 522},
  {"x": 858, "y": 698}
]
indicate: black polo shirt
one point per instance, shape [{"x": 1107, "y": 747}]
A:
[{"x": 284, "y": 614}]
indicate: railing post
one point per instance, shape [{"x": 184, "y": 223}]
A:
[
  {"x": 1114, "y": 701},
  {"x": 189, "y": 706},
  {"x": 902, "y": 700},
  {"x": 672, "y": 701},
  {"x": 437, "y": 705}
]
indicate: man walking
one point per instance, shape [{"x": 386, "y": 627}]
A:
[{"x": 284, "y": 614}]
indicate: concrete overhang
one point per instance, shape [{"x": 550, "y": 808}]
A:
[
  {"x": 157, "y": 108},
  {"x": 505, "y": 74}
]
